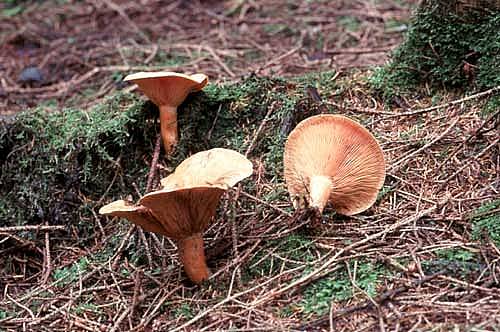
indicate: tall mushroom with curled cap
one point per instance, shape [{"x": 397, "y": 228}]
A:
[
  {"x": 168, "y": 90},
  {"x": 186, "y": 204},
  {"x": 333, "y": 159}
]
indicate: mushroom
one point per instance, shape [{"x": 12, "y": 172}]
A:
[
  {"x": 185, "y": 205},
  {"x": 168, "y": 90},
  {"x": 139, "y": 215},
  {"x": 333, "y": 159}
]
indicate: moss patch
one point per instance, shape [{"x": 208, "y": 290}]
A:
[
  {"x": 444, "y": 49},
  {"x": 486, "y": 222},
  {"x": 58, "y": 163},
  {"x": 338, "y": 287}
]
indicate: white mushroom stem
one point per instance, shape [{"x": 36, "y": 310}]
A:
[
  {"x": 192, "y": 256},
  {"x": 320, "y": 189},
  {"x": 168, "y": 127}
]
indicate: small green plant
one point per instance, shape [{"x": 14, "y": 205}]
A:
[
  {"x": 350, "y": 23},
  {"x": 456, "y": 261},
  {"x": 456, "y": 254},
  {"x": 384, "y": 191},
  {"x": 184, "y": 310},
  {"x": 290, "y": 252},
  {"x": 3, "y": 314},
  {"x": 491, "y": 106},
  {"x": 273, "y": 29},
  {"x": 286, "y": 311},
  {"x": 87, "y": 307},
  {"x": 338, "y": 287},
  {"x": 12, "y": 8},
  {"x": 68, "y": 275},
  {"x": 486, "y": 222}
]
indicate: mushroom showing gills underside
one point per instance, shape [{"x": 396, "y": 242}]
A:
[
  {"x": 168, "y": 90},
  {"x": 183, "y": 209},
  {"x": 331, "y": 159}
]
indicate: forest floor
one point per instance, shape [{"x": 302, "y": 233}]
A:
[{"x": 425, "y": 257}]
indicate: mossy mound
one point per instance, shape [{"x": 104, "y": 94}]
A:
[
  {"x": 57, "y": 163},
  {"x": 60, "y": 167},
  {"x": 445, "y": 48}
]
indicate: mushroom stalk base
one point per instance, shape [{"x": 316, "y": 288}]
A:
[
  {"x": 320, "y": 189},
  {"x": 168, "y": 127},
  {"x": 192, "y": 256}
]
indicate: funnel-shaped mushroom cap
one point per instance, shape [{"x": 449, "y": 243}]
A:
[
  {"x": 167, "y": 88},
  {"x": 139, "y": 215},
  {"x": 330, "y": 158},
  {"x": 221, "y": 168},
  {"x": 183, "y": 212}
]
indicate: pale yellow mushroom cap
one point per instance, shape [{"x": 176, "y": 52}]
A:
[{"x": 218, "y": 167}]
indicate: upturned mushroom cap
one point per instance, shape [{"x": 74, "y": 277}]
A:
[
  {"x": 139, "y": 215},
  {"x": 332, "y": 159},
  {"x": 167, "y": 88},
  {"x": 186, "y": 205},
  {"x": 189, "y": 199},
  {"x": 221, "y": 168}
]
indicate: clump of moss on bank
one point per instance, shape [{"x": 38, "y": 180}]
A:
[
  {"x": 60, "y": 167},
  {"x": 58, "y": 162},
  {"x": 444, "y": 48}
]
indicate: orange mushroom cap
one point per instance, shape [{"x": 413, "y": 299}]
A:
[
  {"x": 168, "y": 90},
  {"x": 139, "y": 215},
  {"x": 183, "y": 212},
  {"x": 333, "y": 159}
]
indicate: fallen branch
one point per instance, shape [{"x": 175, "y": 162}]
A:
[
  {"x": 396, "y": 164},
  {"x": 486, "y": 149},
  {"x": 42, "y": 228},
  {"x": 451, "y": 103}
]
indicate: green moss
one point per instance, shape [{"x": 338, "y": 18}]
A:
[
  {"x": 491, "y": 106},
  {"x": 444, "y": 49},
  {"x": 350, "y": 23},
  {"x": 486, "y": 222},
  {"x": 68, "y": 275},
  {"x": 184, "y": 310},
  {"x": 338, "y": 287},
  {"x": 286, "y": 253},
  {"x": 457, "y": 262},
  {"x": 58, "y": 162},
  {"x": 85, "y": 307}
]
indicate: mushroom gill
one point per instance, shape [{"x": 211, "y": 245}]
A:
[{"x": 331, "y": 159}]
